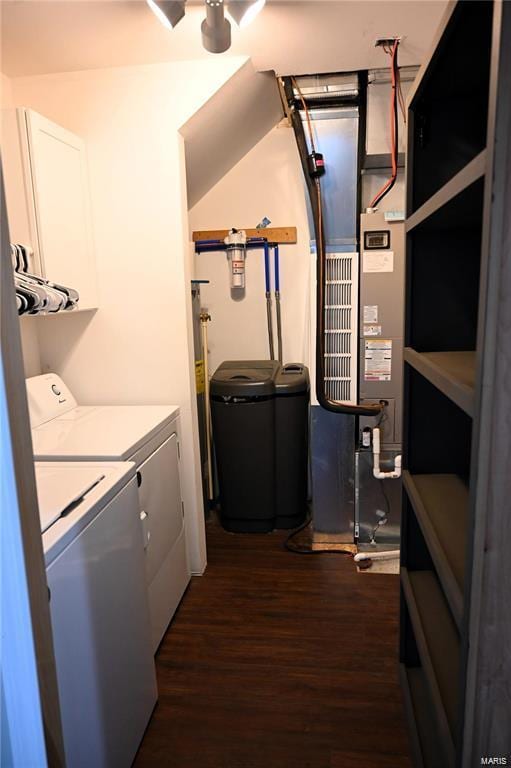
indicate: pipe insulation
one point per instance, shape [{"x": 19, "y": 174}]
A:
[
  {"x": 390, "y": 555},
  {"x": 314, "y": 190}
]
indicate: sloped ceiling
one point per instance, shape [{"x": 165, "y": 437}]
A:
[
  {"x": 44, "y": 36},
  {"x": 234, "y": 119}
]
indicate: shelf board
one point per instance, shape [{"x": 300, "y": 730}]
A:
[
  {"x": 453, "y": 373},
  {"x": 473, "y": 171},
  {"x": 439, "y": 648},
  {"x": 272, "y": 234},
  {"x": 440, "y": 503},
  {"x": 419, "y": 713}
]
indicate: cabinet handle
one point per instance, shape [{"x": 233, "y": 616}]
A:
[{"x": 139, "y": 479}]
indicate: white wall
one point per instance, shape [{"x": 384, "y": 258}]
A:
[
  {"x": 268, "y": 182},
  {"x": 134, "y": 349}
]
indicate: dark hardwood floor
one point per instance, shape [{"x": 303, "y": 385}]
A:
[{"x": 278, "y": 659}]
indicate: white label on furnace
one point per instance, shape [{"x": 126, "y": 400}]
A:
[
  {"x": 378, "y": 261},
  {"x": 372, "y": 330},
  {"x": 378, "y": 360},
  {"x": 371, "y": 313}
]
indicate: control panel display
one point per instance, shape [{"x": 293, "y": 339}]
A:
[{"x": 377, "y": 240}]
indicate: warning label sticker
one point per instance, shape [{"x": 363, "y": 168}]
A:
[
  {"x": 371, "y": 313},
  {"x": 378, "y": 261},
  {"x": 372, "y": 330},
  {"x": 378, "y": 360}
]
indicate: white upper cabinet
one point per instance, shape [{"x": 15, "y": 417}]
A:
[{"x": 48, "y": 200}]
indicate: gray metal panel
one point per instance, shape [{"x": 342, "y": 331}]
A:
[
  {"x": 388, "y": 426},
  {"x": 336, "y": 136},
  {"x": 333, "y": 472},
  {"x": 386, "y": 390},
  {"x": 378, "y": 495},
  {"x": 384, "y": 290}
]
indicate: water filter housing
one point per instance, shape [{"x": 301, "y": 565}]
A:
[{"x": 236, "y": 242}]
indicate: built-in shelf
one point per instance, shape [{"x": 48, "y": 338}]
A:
[
  {"x": 457, "y": 190},
  {"x": 421, "y": 718},
  {"x": 440, "y": 503},
  {"x": 473, "y": 171},
  {"x": 453, "y": 373},
  {"x": 439, "y": 648}
]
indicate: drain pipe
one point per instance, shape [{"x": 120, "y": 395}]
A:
[
  {"x": 277, "y": 300},
  {"x": 204, "y": 319},
  {"x": 268, "y": 298},
  {"x": 391, "y": 554}
]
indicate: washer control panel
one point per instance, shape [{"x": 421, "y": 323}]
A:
[{"x": 48, "y": 398}]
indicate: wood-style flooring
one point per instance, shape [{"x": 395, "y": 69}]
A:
[{"x": 279, "y": 660}]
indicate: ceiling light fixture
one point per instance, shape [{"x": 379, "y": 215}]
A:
[
  {"x": 169, "y": 12},
  {"x": 243, "y": 12},
  {"x": 216, "y": 29}
]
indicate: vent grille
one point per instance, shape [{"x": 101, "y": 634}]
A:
[{"x": 341, "y": 308}]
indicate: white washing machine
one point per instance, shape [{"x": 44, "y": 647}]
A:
[
  {"x": 147, "y": 435},
  {"x": 95, "y": 568}
]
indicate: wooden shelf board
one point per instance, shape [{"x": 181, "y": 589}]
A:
[
  {"x": 474, "y": 170},
  {"x": 272, "y": 234},
  {"x": 440, "y": 503},
  {"x": 438, "y": 645},
  {"x": 453, "y": 373},
  {"x": 420, "y": 716}
]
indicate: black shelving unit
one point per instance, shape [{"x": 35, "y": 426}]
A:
[{"x": 457, "y": 263}]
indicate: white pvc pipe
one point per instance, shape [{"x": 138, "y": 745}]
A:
[
  {"x": 204, "y": 329},
  {"x": 390, "y": 555},
  {"x": 377, "y": 472}
]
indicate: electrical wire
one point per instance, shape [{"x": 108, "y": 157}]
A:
[
  {"x": 393, "y": 130},
  {"x": 302, "y": 550},
  {"x": 387, "y": 513}
]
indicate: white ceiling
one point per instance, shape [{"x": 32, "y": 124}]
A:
[{"x": 43, "y": 36}]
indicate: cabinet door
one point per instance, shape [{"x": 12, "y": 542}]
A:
[
  {"x": 19, "y": 195},
  {"x": 160, "y": 499},
  {"x": 62, "y": 206}
]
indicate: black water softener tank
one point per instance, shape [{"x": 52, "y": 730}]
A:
[{"x": 259, "y": 411}]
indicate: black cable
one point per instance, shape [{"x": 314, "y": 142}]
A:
[
  {"x": 299, "y": 551},
  {"x": 387, "y": 513}
]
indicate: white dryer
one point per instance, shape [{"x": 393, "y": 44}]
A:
[
  {"x": 147, "y": 435},
  {"x": 95, "y": 567}
]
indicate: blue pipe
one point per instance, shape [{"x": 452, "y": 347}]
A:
[
  {"x": 267, "y": 267},
  {"x": 277, "y": 267}
]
